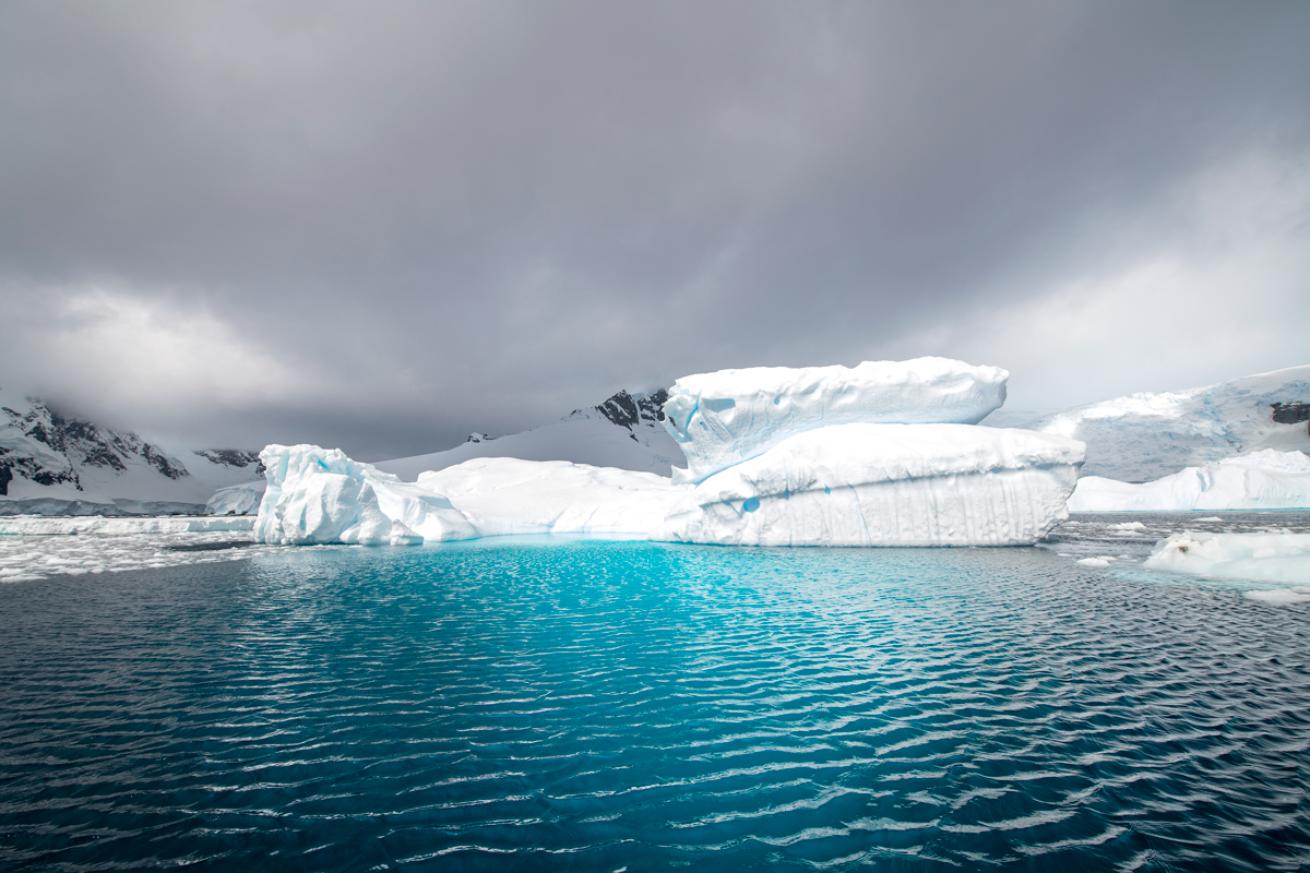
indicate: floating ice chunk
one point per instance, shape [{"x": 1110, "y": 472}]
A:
[
  {"x": 320, "y": 495},
  {"x": 887, "y": 485},
  {"x": 1267, "y": 479},
  {"x": 1281, "y": 596},
  {"x": 1259, "y": 557},
  {"x": 1099, "y": 561},
  {"x": 242, "y": 499},
  {"x": 513, "y": 496},
  {"x": 728, "y": 416}
]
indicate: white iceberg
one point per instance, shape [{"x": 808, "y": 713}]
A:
[
  {"x": 722, "y": 418},
  {"x": 317, "y": 495},
  {"x": 1266, "y": 479},
  {"x": 822, "y": 456},
  {"x": 1257, "y": 557},
  {"x": 501, "y": 496},
  {"x": 888, "y": 485}
]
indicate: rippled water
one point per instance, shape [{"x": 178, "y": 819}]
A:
[{"x": 608, "y": 705}]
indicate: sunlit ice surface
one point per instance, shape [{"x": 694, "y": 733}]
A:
[{"x": 600, "y": 705}]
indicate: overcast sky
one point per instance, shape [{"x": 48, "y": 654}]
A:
[{"x": 382, "y": 225}]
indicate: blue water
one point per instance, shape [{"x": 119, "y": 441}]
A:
[{"x": 611, "y": 705}]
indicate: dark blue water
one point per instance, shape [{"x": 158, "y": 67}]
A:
[{"x": 608, "y": 705}]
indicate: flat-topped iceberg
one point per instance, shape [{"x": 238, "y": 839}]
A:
[
  {"x": 722, "y": 418},
  {"x": 888, "y": 484},
  {"x": 1267, "y": 479},
  {"x": 882, "y": 454}
]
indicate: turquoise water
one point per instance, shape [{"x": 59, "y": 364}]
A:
[{"x": 609, "y": 705}]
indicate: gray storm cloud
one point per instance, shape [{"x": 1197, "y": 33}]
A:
[{"x": 383, "y": 225}]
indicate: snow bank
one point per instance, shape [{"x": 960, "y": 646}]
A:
[
  {"x": 1259, "y": 557},
  {"x": 317, "y": 495},
  {"x": 1266, "y": 479},
  {"x": 879, "y": 484},
  {"x": 242, "y": 499},
  {"x": 513, "y": 496},
  {"x": 722, "y": 418}
]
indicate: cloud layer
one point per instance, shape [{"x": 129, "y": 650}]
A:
[{"x": 384, "y": 225}]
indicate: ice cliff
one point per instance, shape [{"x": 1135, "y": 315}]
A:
[{"x": 879, "y": 454}]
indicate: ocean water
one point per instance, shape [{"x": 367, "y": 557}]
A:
[{"x": 602, "y": 706}]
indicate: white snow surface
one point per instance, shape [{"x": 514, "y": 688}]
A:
[
  {"x": 722, "y": 418},
  {"x": 1258, "y": 557},
  {"x": 242, "y": 499},
  {"x": 584, "y": 437},
  {"x": 502, "y": 496},
  {"x": 1145, "y": 436},
  {"x": 1266, "y": 479}
]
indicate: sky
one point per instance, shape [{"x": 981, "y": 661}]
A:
[{"x": 383, "y": 225}]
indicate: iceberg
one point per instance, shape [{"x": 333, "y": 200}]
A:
[
  {"x": 317, "y": 495},
  {"x": 1266, "y": 479},
  {"x": 1257, "y": 557},
  {"x": 502, "y": 496},
  {"x": 722, "y": 418},
  {"x": 888, "y": 485},
  {"x": 882, "y": 454}
]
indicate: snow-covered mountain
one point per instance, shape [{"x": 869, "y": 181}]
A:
[
  {"x": 623, "y": 431},
  {"x": 1142, "y": 437},
  {"x": 55, "y": 463}
]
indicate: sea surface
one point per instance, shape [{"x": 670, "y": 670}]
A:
[{"x": 595, "y": 705}]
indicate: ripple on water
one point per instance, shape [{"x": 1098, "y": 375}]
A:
[{"x": 607, "y": 705}]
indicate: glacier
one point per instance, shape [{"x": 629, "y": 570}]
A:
[
  {"x": 1266, "y": 479},
  {"x": 882, "y": 454},
  {"x": 1144, "y": 436}
]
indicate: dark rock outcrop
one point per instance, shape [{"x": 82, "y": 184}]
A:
[{"x": 1291, "y": 413}]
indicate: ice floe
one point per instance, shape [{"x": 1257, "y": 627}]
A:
[{"x": 1257, "y": 557}]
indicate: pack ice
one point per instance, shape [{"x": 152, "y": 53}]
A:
[{"x": 885, "y": 453}]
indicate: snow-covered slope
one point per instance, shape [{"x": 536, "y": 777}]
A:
[
  {"x": 624, "y": 431},
  {"x": 1266, "y": 479},
  {"x": 52, "y": 463},
  {"x": 1146, "y": 436}
]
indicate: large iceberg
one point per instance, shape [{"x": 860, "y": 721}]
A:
[
  {"x": 1265, "y": 479},
  {"x": 722, "y": 418},
  {"x": 888, "y": 485},
  {"x": 881, "y": 454}
]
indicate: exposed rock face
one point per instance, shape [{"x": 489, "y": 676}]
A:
[
  {"x": 52, "y": 461},
  {"x": 232, "y": 458},
  {"x": 1291, "y": 413},
  {"x": 628, "y": 410},
  {"x": 49, "y": 448}
]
